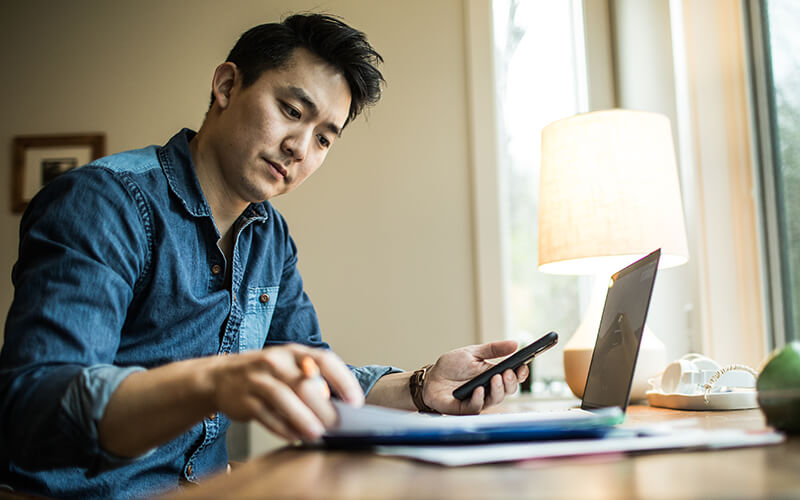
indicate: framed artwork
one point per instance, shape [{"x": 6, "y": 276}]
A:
[{"x": 38, "y": 159}]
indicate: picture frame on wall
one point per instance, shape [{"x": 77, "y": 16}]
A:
[{"x": 38, "y": 159}]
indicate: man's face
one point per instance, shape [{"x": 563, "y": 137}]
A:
[{"x": 275, "y": 133}]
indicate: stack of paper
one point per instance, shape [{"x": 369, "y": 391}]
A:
[{"x": 475, "y": 439}]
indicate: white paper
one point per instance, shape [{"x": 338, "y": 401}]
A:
[{"x": 622, "y": 442}]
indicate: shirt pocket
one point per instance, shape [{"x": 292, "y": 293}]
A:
[{"x": 261, "y": 302}]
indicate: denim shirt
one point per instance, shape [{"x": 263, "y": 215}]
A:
[{"x": 119, "y": 271}]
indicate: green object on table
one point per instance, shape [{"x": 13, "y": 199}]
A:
[{"x": 779, "y": 389}]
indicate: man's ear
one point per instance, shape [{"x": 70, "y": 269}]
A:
[{"x": 225, "y": 78}]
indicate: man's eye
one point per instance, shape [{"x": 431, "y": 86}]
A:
[
  {"x": 323, "y": 141},
  {"x": 291, "y": 111}
]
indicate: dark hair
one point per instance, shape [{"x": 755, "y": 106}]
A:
[{"x": 271, "y": 45}]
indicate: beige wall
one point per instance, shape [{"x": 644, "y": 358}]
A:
[{"x": 384, "y": 228}]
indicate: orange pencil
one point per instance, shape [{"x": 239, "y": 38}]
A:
[{"x": 311, "y": 370}]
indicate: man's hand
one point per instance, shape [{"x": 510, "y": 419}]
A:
[
  {"x": 272, "y": 387},
  {"x": 268, "y": 385},
  {"x": 456, "y": 367}
]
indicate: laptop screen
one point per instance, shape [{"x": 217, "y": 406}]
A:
[{"x": 617, "y": 347}]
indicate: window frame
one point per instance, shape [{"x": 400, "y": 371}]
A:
[{"x": 489, "y": 221}]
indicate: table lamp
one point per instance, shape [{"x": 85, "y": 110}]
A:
[{"x": 609, "y": 194}]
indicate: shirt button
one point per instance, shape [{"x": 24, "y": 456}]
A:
[
  {"x": 264, "y": 298},
  {"x": 216, "y": 269},
  {"x": 189, "y": 470}
]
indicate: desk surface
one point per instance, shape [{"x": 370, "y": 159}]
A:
[{"x": 771, "y": 471}]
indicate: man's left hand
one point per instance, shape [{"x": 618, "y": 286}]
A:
[{"x": 456, "y": 367}]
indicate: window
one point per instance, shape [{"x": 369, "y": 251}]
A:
[
  {"x": 685, "y": 60},
  {"x": 775, "y": 45},
  {"x": 540, "y": 78}
]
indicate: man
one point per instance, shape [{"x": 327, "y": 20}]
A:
[{"x": 157, "y": 294}]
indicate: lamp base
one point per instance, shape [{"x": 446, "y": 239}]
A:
[
  {"x": 576, "y": 368},
  {"x": 651, "y": 361}
]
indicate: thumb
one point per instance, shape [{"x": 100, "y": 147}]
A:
[{"x": 494, "y": 349}]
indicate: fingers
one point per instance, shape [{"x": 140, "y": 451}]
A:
[
  {"x": 314, "y": 392},
  {"x": 503, "y": 385},
  {"x": 273, "y": 423},
  {"x": 499, "y": 387},
  {"x": 339, "y": 376},
  {"x": 474, "y": 404},
  {"x": 510, "y": 382},
  {"x": 522, "y": 373},
  {"x": 308, "y": 372},
  {"x": 494, "y": 349},
  {"x": 285, "y": 389},
  {"x": 497, "y": 391},
  {"x": 306, "y": 375},
  {"x": 284, "y": 404}
]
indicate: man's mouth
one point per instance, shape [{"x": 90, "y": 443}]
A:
[{"x": 276, "y": 169}]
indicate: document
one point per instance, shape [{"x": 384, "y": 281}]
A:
[
  {"x": 618, "y": 441},
  {"x": 373, "y": 425},
  {"x": 504, "y": 437}
]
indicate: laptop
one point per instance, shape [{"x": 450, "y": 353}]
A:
[
  {"x": 604, "y": 402},
  {"x": 620, "y": 335}
]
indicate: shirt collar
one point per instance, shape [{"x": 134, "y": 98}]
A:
[{"x": 176, "y": 161}]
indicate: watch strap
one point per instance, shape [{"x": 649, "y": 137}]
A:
[{"x": 415, "y": 385}]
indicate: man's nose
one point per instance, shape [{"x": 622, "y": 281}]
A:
[{"x": 295, "y": 146}]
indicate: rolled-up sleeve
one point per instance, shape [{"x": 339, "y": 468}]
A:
[
  {"x": 82, "y": 250},
  {"x": 369, "y": 374},
  {"x": 84, "y": 403}
]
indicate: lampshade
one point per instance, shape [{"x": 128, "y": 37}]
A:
[{"x": 609, "y": 193}]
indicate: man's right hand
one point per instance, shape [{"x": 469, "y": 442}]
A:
[{"x": 271, "y": 386}]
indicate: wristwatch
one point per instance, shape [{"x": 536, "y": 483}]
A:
[{"x": 415, "y": 384}]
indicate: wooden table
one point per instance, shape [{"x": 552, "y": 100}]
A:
[{"x": 763, "y": 472}]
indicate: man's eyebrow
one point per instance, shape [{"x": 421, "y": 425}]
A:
[{"x": 303, "y": 96}]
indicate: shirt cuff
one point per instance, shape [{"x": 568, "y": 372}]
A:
[
  {"x": 85, "y": 402},
  {"x": 368, "y": 375}
]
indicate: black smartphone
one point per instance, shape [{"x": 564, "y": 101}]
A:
[{"x": 513, "y": 362}]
